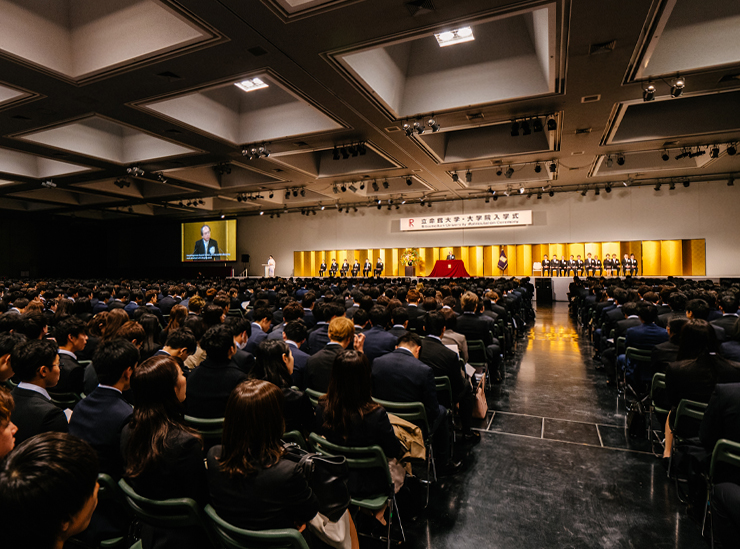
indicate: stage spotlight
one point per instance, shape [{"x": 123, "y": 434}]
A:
[
  {"x": 597, "y": 191},
  {"x": 672, "y": 186},
  {"x": 521, "y": 189},
  {"x": 295, "y": 192},
  {"x": 353, "y": 150},
  {"x": 287, "y": 193},
  {"x": 539, "y": 196},
  {"x": 657, "y": 186},
  {"x": 455, "y": 177},
  {"x": 698, "y": 152},
  {"x": 303, "y": 192},
  {"x": 345, "y": 153},
  {"x": 526, "y": 130},
  {"x": 509, "y": 172},
  {"x": 272, "y": 194},
  {"x": 537, "y": 168},
  {"x": 468, "y": 176},
  {"x": 648, "y": 94},
  {"x": 515, "y": 129},
  {"x": 344, "y": 188},
  {"x": 499, "y": 172},
  {"x": 385, "y": 184},
  {"x": 552, "y": 124},
  {"x": 352, "y": 187},
  {"x": 686, "y": 183},
  {"x": 408, "y": 129},
  {"x": 730, "y": 181},
  {"x": 335, "y": 189},
  {"x": 609, "y": 161},
  {"x": 553, "y": 167},
  {"x": 732, "y": 149},
  {"x": 714, "y": 152},
  {"x": 620, "y": 160},
  {"x": 409, "y": 181},
  {"x": 375, "y": 186},
  {"x": 537, "y": 125},
  {"x": 322, "y": 207},
  {"x": 362, "y": 185},
  {"x": 677, "y": 87},
  {"x": 584, "y": 192},
  {"x": 433, "y": 124},
  {"x": 551, "y": 193},
  {"x": 665, "y": 156},
  {"x": 488, "y": 199},
  {"x": 419, "y": 127},
  {"x": 262, "y": 212},
  {"x": 362, "y": 149},
  {"x": 681, "y": 155},
  {"x": 335, "y": 155},
  {"x": 495, "y": 197},
  {"x": 608, "y": 188}
]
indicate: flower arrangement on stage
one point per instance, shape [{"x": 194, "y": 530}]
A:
[{"x": 410, "y": 256}]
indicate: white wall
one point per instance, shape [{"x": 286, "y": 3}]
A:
[{"x": 704, "y": 210}]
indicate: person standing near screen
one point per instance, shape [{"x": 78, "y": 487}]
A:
[
  {"x": 271, "y": 266},
  {"x": 206, "y": 246}
]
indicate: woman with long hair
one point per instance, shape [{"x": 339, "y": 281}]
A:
[
  {"x": 275, "y": 364},
  {"x": 178, "y": 314},
  {"x": 149, "y": 346},
  {"x": 164, "y": 457},
  {"x": 113, "y": 321},
  {"x": 7, "y": 428}
]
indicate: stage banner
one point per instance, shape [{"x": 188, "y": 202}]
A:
[{"x": 466, "y": 221}]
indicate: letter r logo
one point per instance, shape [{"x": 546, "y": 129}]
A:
[{"x": 411, "y": 222}]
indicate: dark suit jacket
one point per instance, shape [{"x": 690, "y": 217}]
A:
[
  {"x": 730, "y": 350},
  {"x": 625, "y": 324},
  {"x": 416, "y": 316},
  {"x": 645, "y": 336},
  {"x": 201, "y": 249},
  {"x": 34, "y": 414},
  {"x": 722, "y": 420},
  {"x": 209, "y": 387},
  {"x": 397, "y": 331},
  {"x": 99, "y": 419},
  {"x": 378, "y": 342},
  {"x": 318, "y": 338},
  {"x": 475, "y": 326},
  {"x": 727, "y": 323},
  {"x": 255, "y": 339},
  {"x": 243, "y": 360},
  {"x": 694, "y": 379},
  {"x": 300, "y": 361},
  {"x": 400, "y": 377},
  {"x": 319, "y": 367},
  {"x": 663, "y": 354},
  {"x": 71, "y": 378},
  {"x": 443, "y": 362},
  {"x": 166, "y": 303}
]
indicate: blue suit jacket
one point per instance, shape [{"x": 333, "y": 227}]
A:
[
  {"x": 255, "y": 339},
  {"x": 99, "y": 419},
  {"x": 400, "y": 377},
  {"x": 300, "y": 359},
  {"x": 378, "y": 342},
  {"x": 318, "y": 338},
  {"x": 645, "y": 336}
]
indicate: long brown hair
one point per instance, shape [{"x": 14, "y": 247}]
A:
[
  {"x": 157, "y": 413},
  {"x": 113, "y": 321},
  {"x": 6, "y": 405},
  {"x": 178, "y": 314},
  {"x": 349, "y": 396},
  {"x": 253, "y": 426}
]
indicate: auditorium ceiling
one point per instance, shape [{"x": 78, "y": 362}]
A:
[{"x": 203, "y": 108}]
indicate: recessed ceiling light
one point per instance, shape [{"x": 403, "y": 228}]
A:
[
  {"x": 456, "y": 36},
  {"x": 251, "y": 84}
]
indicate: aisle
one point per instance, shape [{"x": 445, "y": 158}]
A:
[{"x": 554, "y": 468}]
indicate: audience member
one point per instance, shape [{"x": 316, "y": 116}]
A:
[
  {"x": 320, "y": 365},
  {"x": 7, "y": 427}
]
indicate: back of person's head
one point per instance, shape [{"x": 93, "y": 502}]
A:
[
  {"x": 399, "y": 315},
  {"x": 698, "y": 309},
  {"x": 410, "y": 340},
  {"x": 32, "y": 324},
  {"x": 261, "y": 314},
  {"x": 296, "y": 331},
  {"x": 629, "y": 308},
  {"x": 217, "y": 342},
  {"x": 196, "y": 304},
  {"x": 20, "y": 303},
  {"x": 112, "y": 358},
  {"x": 434, "y": 323},
  {"x": 150, "y": 295},
  {"x": 697, "y": 338},
  {"x": 361, "y": 317},
  {"x": 48, "y": 490},
  {"x": 9, "y": 321},
  {"x": 349, "y": 394},
  {"x": 178, "y": 314},
  {"x": 469, "y": 302},
  {"x": 430, "y": 304},
  {"x": 647, "y": 312},
  {"x": 222, "y": 300},
  {"x": 677, "y": 301},
  {"x": 195, "y": 324},
  {"x": 293, "y": 311},
  {"x": 620, "y": 295},
  {"x": 271, "y": 364},
  {"x": 182, "y": 338},
  {"x": 69, "y": 327},
  {"x": 8, "y": 342},
  {"x": 333, "y": 310},
  {"x": 212, "y": 315},
  {"x": 132, "y": 331},
  {"x": 379, "y": 316},
  {"x": 253, "y": 427},
  {"x": 729, "y": 303},
  {"x": 450, "y": 319},
  {"x": 674, "y": 328},
  {"x": 238, "y": 325},
  {"x": 341, "y": 328},
  {"x": 28, "y": 358},
  {"x": 7, "y": 441}
]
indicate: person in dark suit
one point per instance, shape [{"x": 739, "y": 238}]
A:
[
  {"x": 667, "y": 352},
  {"x": 377, "y": 341},
  {"x": 180, "y": 344},
  {"x": 261, "y": 322},
  {"x": 319, "y": 366},
  {"x": 209, "y": 385},
  {"x": 450, "y": 256},
  {"x": 615, "y": 265},
  {"x": 167, "y": 302},
  {"x": 322, "y": 268},
  {"x": 345, "y": 267},
  {"x": 596, "y": 265},
  {"x": 36, "y": 366},
  {"x": 291, "y": 311},
  {"x": 545, "y": 266},
  {"x": 367, "y": 267},
  {"x": 163, "y": 456},
  {"x": 555, "y": 265},
  {"x": 589, "y": 265},
  {"x": 355, "y": 269},
  {"x": 295, "y": 335},
  {"x": 445, "y": 362},
  {"x": 333, "y": 268},
  {"x": 8, "y": 342},
  {"x": 318, "y": 336},
  {"x": 399, "y": 321},
  {"x": 633, "y": 265},
  {"x": 571, "y": 267},
  {"x": 71, "y": 337},
  {"x": 728, "y": 304},
  {"x": 645, "y": 336},
  {"x": 607, "y": 265},
  {"x": 416, "y": 313},
  {"x": 206, "y": 246},
  {"x": 476, "y": 326},
  {"x": 258, "y": 486},
  {"x": 378, "y": 267}
]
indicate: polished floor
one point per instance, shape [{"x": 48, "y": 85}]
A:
[{"x": 554, "y": 467}]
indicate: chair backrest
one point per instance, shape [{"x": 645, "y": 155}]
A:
[
  {"x": 444, "y": 390},
  {"x": 314, "y": 396},
  {"x": 410, "y": 411},
  {"x": 296, "y": 438},
  {"x": 639, "y": 355},
  {"x": 657, "y": 385},
  {"x": 64, "y": 400},
  {"x": 232, "y": 537},
  {"x": 688, "y": 410},
  {"x": 209, "y": 429},
  {"x": 725, "y": 451},
  {"x": 365, "y": 457},
  {"x": 620, "y": 344},
  {"x": 477, "y": 349}
]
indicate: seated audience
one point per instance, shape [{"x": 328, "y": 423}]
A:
[
  {"x": 294, "y": 335},
  {"x": 320, "y": 365},
  {"x": 8, "y": 342},
  {"x": 178, "y": 314},
  {"x": 378, "y": 342},
  {"x": 7, "y": 427},
  {"x": 71, "y": 336}
]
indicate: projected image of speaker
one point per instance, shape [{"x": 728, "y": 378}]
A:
[{"x": 208, "y": 241}]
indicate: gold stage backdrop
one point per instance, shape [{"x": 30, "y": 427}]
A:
[{"x": 654, "y": 257}]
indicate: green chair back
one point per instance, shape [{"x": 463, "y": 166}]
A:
[
  {"x": 687, "y": 410},
  {"x": 658, "y": 384},
  {"x": 231, "y": 537},
  {"x": 314, "y": 396},
  {"x": 725, "y": 451},
  {"x": 65, "y": 400},
  {"x": 210, "y": 429},
  {"x": 476, "y": 348},
  {"x": 296, "y": 438},
  {"x": 621, "y": 344},
  {"x": 639, "y": 355},
  {"x": 410, "y": 411},
  {"x": 444, "y": 390},
  {"x": 109, "y": 491}
]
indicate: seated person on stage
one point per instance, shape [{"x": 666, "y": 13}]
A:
[
  {"x": 615, "y": 265},
  {"x": 378, "y": 267},
  {"x": 589, "y": 265},
  {"x": 319, "y": 366},
  {"x": 401, "y": 377},
  {"x": 48, "y": 491},
  {"x": 633, "y": 264},
  {"x": 579, "y": 265},
  {"x": 555, "y": 265},
  {"x": 345, "y": 268},
  {"x": 596, "y": 264},
  {"x": 163, "y": 456},
  {"x": 333, "y": 268},
  {"x": 445, "y": 362},
  {"x": 36, "y": 366},
  {"x": 322, "y": 268},
  {"x": 367, "y": 268},
  {"x": 377, "y": 341},
  {"x": 545, "y": 266},
  {"x": 295, "y": 335},
  {"x": 275, "y": 364},
  {"x": 209, "y": 385},
  {"x": 571, "y": 266},
  {"x": 71, "y": 337},
  {"x": 355, "y": 268}
]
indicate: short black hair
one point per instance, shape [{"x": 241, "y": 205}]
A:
[
  {"x": 410, "y": 337},
  {"x": 26, "y": 359},
  {"x": 399, "y": 315},
  {"x": 212, "y": 315},
  {"x": 111, "y": 359},
  {"x": 31, "y": 324},
  {"x": 295, "y": 330},
  {"x": 434, "y": 323},
  {"x": 8, "y": 342},
  {"x": 699, "y": 308},
  {"x": 729, "y": 303},
  {"x": 44, "y": 482},
  {"x": 333, "y": 309},
  {"x": 360, "y": 317},
  {"x": 238, "y": 325},
  {"x": 647, "y": 312},
  {"x": 182, "y": 337},
  {"x": 9, "y": 321},
  {"x": 379, "y": 316},
  {"x": 217, "y": 342},
  {"x": 70, "y": 326},
  {"x": 261, "y": 314}
]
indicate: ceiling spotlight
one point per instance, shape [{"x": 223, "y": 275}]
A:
[
  {"x": 491, "y": 191},
  {"x": 620, "y": 160},
  {"x": 433, "y": 124},
  {"x": 455, "y": 177},
  {"x": 521, "y": 189},
  {"x": 665, "y": 156},
  {"x": 362, "y": 149},
  {"x": 375, "y": 186},
  {"x": 507, "y": 192},
  {"x": 272, "y": 194},
  {"x": 730, "y": 181},
  {"x": 455, "y": 36},
  {"x": 677, "y": 87},
  {"x": 488, "y": 199},
  {"x": 515, "y": 129},
  {"x": 551, "y": 193},
  {"x": 657, "y": 186},
  {"x": 686, "y": 183},
  {"x": 295, "y": 192},
  {"x": 714, "y": 152},
  {"x": 322, "y": 207},
  {"x": 334, "y": 189},
  {"x": 608, "y": 188},
  {"x": 672, "y": 186},
  {"x": 553, "y": 167},
  {"x": 597, "y": 192},
  {"x": 509, "y": 172},
  {"x": 552, "y": 124},
  {"x": 362, "y": 185},
  {"x": 344, "y": 188},
  {"x": 609, "y": 161},
  {"x": 287, "y": 193},
  {"x": 303, "y": 192},
  {"x": 353, "y": 150},
  {"x": 468, "y": 177},
  {"x": 49, "y": 184},
  {"x": 385, "y": 184},
  {"x": 584, "y": 192},
  {"x": 648, "y": 94},
  {"x": 537, "y": 168},
  {"x": 499, "y": 171},
  {"x": 135, "y": 171},
  {"x": 262, "y": 212},
  {"x": 335, "y": 154},
  {"x": 537, "y": 125},
  {"x": 495, "y": 197},
  {"x": 732, "y": 149},
  {"x": 352, "y": 187},
  {"x": 525, "y": 128},
  {"x": 251, "y": 84},
  {"x": 162, "y": 178},
  {"x": 409, "y": 181},
  {"x": 698, "y": 152},
  {"x": 344, "y": 152},
  {"x": 419, "y": 127},
  {"x": 539, "y": 196},
  {"x": 408, "y": 129},
  {"x": 682, "y": 154},
  {"x": 429, "y": 204}
]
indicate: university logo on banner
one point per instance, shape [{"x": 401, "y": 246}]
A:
[{"x": 467, "y": 221}]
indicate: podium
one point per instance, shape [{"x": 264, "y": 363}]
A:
[
  {"x": 410, "y": 270},
  {"x": 267, "y": 269}
]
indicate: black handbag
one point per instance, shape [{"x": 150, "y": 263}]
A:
[{"x": 327, "y": 476}]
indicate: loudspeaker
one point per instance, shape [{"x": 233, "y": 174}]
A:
[
  {"x": 245, "y": 258},
  {"x": 543, "y": 287}
]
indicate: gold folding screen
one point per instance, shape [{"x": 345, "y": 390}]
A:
[{"x": 654, "y": 257}]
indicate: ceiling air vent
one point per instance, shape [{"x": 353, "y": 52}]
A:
[
  {"x": 591, "y": 98},
  {"x": 392, "y": 129},
  {"x": 603, "y": 47},
  {"x": 474, "y": 116},
  {"x": 257, "y": 51}
]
